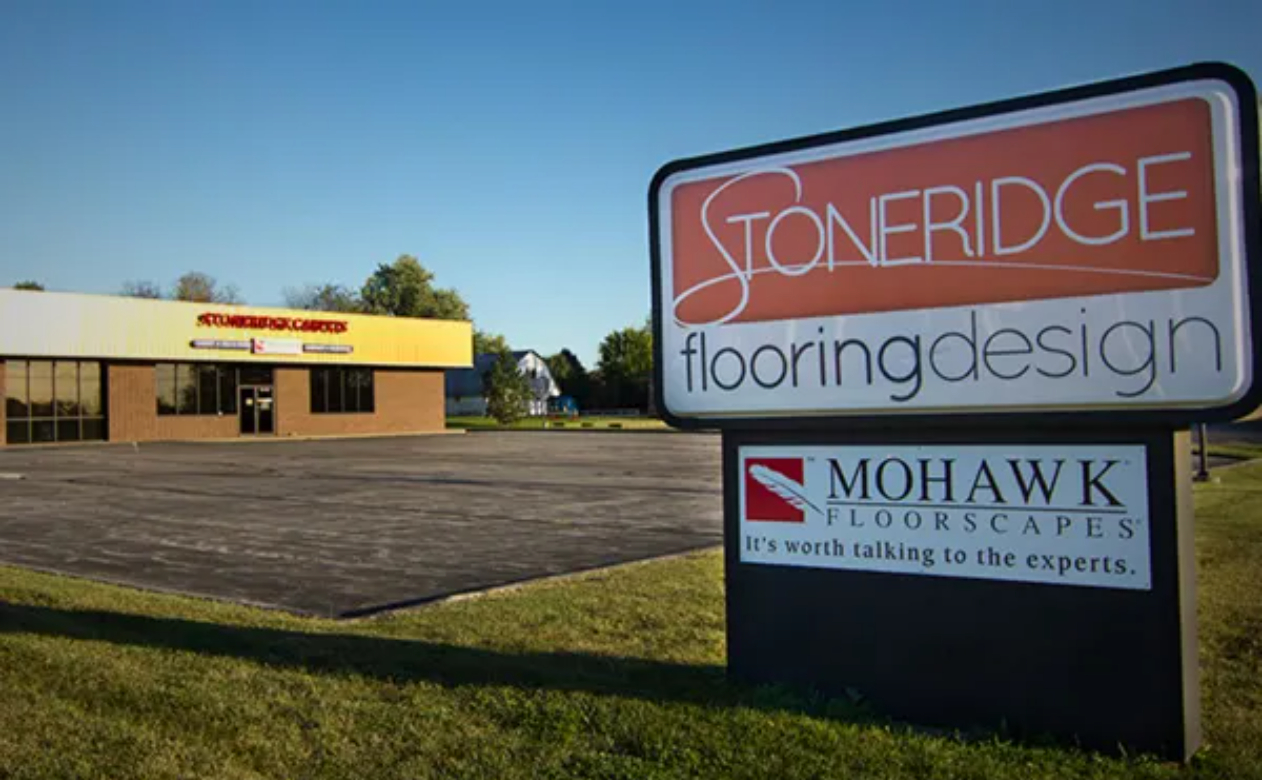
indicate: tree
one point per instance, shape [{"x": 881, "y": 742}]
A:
[
  {"x": 29, "y": 285},
  {"x": 571, "y": 377},
  {"x": 626, "y": 361},
  {"x": 507, "y": 390},
  {"x": 405, "y": 288},
  {"x": 202, "y": 288},
  {"x": 485, "y": 343},
  {"x": 324, "y": 297},
  {"x": 141, "y": 289}
]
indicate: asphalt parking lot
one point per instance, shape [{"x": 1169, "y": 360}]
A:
[{"x": 351, "y": 526}]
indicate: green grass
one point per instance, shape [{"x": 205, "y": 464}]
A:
[
  {"x": 559, "y": 423},
  {"x": 616, "y": 674},
  {"x": 1239, "y": 450}
]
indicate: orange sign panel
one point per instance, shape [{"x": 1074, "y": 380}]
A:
[{"x": 1115, "y": 202}]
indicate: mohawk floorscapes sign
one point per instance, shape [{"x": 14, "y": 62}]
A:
[
  {"x": 952, "y": 358},
  {"x": 1060, "y": 515}
]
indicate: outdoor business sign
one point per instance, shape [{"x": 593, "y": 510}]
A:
[
  {"x": 1009, "y": 311},
  {"x": 1077, "y": 252},
  {"x": 66, "y": 325},
  {"x": 257, "y": 322},
  {"x": 277, "y": 347},
  {"x": 1060, "y": 515}
]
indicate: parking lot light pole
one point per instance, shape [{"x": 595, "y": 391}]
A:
[{"x": 1202, "y": 448}]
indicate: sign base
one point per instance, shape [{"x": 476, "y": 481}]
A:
[{"x": 1093, "y": 665}]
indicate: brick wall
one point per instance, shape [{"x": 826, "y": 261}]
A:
[
  {"x": 407, "y": 401},
  {"x": 133, "y": 411}
]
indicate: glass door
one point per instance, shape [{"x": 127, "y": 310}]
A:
[
  {"x": 247, "y": 411},
  {"x": 266, "y": 405},
  {"x": 256, "y": 410}
]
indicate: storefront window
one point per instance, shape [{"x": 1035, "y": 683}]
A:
[
  {"x": 66, "y": 388},
  {"x": 40, "y": 379},
  {"x": 164, "y": 376},
  {"x": 48, "y": 402},
  {"x": 342, "y": 390},
  {"x": 15, "y": 395},
  {"x": 90, "y": 390},
  {"x": 186, "y": 388}
]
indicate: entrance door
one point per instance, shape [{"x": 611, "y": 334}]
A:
[
  {"x": 266, "y": 405},
  {"x": 257, "y": 410}
]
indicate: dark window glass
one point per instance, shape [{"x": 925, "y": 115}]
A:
[
  {"x": 227, "y": 390},
  {"x": 90, "y": 389},
  {"x": 47, "y": 401},
  {"x": 207, "y": 389},
  {"x": 185, "y": 389},
  {"x": 367, "y": 403},
  {"x": 352, "y": 389},
  {"x": 256, "y": 375},
  {"x": 342, "y": 390},
  {"x": 66, "y": 389},
  {"x": 337, "y": 390},
  {"x": 40, "y": 373},
  {"x": 196, "y": 389},
  {"x": 18, "y": 432},
  {"x": 15, "y": 389},
  {"x": 93, "y": 429},
  {"x": 164, "y": 385},
  {"x": 319, "y": 390},
  {"x": 68, "y": 430},
  {"x": 42, "y": 431}
]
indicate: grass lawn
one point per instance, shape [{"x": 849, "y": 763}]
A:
[
  {"x": 611, "y": 675},
  {"x": 560, "y": 423}
]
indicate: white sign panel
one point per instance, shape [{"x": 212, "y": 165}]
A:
[
  {"x": 277, "y": 347},
  {"x": 1060, "y": 515},
  {"x": 1085, "y": 254}
]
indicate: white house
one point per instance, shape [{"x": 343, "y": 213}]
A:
[{"x": 464, "y": 387}]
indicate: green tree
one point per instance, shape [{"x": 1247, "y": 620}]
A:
[
  {"x": 405, "y": 288},
  {"x": 324, "y": 297},
  {"x": 29, "y": 285},
  {"x": 202, "y": 288},
  {"x": 141, "y": 289},
  {"x": 626, "y": 361},
  {"x": 485, "y": 343},
  {"x": 507, "y": 390},
  {"x": 571, "y": 377}
]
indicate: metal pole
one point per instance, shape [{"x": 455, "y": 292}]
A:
[{"x": 1202, "y": 460}]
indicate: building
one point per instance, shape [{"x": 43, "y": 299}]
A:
[
  {"x": 464, "y": 387},
  {"x": 84, "y": 367}
]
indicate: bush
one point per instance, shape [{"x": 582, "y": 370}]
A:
[{"x": 507, "y": 390}]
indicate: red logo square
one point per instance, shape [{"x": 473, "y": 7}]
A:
[{"x": 775, "y": 490}]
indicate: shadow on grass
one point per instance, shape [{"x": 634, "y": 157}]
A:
[{"x": 403, "y": 660}]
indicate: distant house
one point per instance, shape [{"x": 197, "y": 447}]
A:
[{"x": 464, "y": 386}]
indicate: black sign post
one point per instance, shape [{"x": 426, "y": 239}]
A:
[{"x": 956, "y": 464}]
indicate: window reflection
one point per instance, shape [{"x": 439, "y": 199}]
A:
[
  {"x": 15, "y": 403},
  {"x": 342, "y": 390},
  {"x": 90, "y": 398},
  {"x": 40, "y": 383},
  {"x": 66, "y": 389},
  {"x": 48, "y": 402},
  {"x": 186, "y": 389},
  {"x": 164, "y": 387}
]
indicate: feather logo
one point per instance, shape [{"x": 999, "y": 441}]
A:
[{"x": 787, "y": 489}]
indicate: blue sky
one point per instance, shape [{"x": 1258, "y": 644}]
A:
[{"x": 508, "y": 146}]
